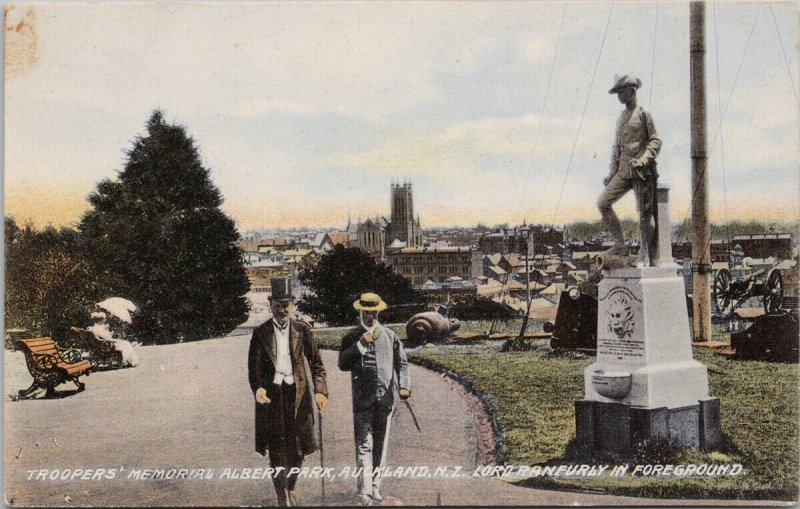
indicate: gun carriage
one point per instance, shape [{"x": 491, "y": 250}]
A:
[{"x": 731, "y": 293}]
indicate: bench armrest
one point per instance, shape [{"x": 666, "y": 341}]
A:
[
  {"x": 44, "y": 361},
  {"x": 72, "y": 355}
]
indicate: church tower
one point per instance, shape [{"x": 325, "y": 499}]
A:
[{"x": 403, "y": 225}]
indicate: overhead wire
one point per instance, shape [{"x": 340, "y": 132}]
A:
[
  {"x": 583, "y": 115},
  {"x": 719, "y": 126},
  {"x": 544, "y": 109},
  {"x": 721, "y": 138},
  {"x": 785, "y": 58},
  {"x": 653, "y": 58},
  {"x": 575, "y": 143}
]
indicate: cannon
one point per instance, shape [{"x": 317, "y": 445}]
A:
[
  {"x": 730, "y": 293},
  {"x": 429, "y": 327},
  {"x": 771, "y": 337},
  {"x": 576, "y": 321}
]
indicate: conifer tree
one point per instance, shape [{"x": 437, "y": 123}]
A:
[
  {"x": 156, "y": 235},
  {"x": 344, "y": 273}
]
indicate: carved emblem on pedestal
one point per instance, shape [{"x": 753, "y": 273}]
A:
[{"x": 620, "y": 316}]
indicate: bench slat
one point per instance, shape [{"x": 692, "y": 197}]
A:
[
  {"x": 47, "y": 351},
  {"x": 46, "y": 346},
  {"x": 41, "y": 346},
  {"x": 38, "y": 348},
  {"x": 77, "y": 367},
  {"x": 37, "y": 341}
]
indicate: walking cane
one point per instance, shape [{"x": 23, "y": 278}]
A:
[{"x": 322, "y": 457}]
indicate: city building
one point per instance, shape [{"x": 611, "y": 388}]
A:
[
  {"x": 455, "y": 289},
  {"x": 403, "y": 226},
  {"x": 765, "y": 245},
  {"x": 377, "y": 235},
  {"x": 421, "y": 264},
  {"x": 371, "y": 236},
  {"x": 512, "y": 240},
  {"x": 330, "y": 240}
]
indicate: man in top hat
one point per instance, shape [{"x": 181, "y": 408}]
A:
[
  {"x": 376, "y": 360},
  {"x": 278, "y": 379},
  {"x": 633, "y": 166}
]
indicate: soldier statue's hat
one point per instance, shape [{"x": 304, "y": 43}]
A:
[
  {"x": 370, "y": 302},
  {"x": 624, "y": 80},
  {"x": 281, "y": 288}
]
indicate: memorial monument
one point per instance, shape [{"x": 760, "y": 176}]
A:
[{"x": 645, "y": 387}]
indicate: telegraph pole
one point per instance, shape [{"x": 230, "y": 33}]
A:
[
  {"x": 701, "y": 234},
  {"x": 526, "y": 231}
]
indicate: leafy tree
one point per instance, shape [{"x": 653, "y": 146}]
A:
[
  {"x": 481, "y": 308},
  {"x": 630, "y": 228},
  {"x": 682, "y": 231},
  {"x": 583, "y": 230},
  {"x": 49, "y": 287},
  {"x": 157, "y": 236},
  {"x": 341, "y": 276}
]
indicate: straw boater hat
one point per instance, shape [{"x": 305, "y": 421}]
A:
[
  {"x": 624, "y": 80},
  {"x": 370, "y": 302}
]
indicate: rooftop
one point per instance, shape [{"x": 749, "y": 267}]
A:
[
  {"x": 761, "y": 236},
  {"x": 449, "y": 249}
]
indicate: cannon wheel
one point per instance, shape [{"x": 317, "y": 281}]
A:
[
  {"x": 773, "y": 292},
  {"x": 722, "y": 291}
]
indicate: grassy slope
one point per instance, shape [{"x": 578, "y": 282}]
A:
[{"x": 533, "y": 394}]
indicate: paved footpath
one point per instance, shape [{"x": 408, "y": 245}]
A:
[{"x": 189, "y": 406}]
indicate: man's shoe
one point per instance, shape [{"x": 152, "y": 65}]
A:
[
  {"x": 365, "y": 500},
  {"x": 376, "y": 495}
]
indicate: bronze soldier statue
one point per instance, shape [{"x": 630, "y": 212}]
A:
[{"x": 633, "y": 166}]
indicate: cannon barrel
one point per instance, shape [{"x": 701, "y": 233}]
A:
[
  {"x": 750, "y": 276},
  {"x": 428, "y": 327},
  {"x": 610, "y": 261}
]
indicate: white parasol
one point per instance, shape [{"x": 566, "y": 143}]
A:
[{"x": 119, "y": 307}]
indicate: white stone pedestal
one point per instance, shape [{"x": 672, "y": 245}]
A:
[{"x": 645, "y": 374}]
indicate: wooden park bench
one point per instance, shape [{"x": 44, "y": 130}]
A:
[
  {"x": 103, "y": 353},
  {"x": 47, "y": 366}
]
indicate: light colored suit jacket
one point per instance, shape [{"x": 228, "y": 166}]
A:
[{"x": 392, "y": 373}]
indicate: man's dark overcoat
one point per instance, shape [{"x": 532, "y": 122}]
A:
[{"x": 261, "y": 370}]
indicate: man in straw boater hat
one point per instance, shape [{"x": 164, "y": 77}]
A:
[
  {"x": 278, "y": 379},
  {"x": 376, "y": 360},
  {"x": 633, "y": 166}
]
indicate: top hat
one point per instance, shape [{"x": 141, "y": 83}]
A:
[
  {"x": 370, "y": 302},
  {"x": 625, "y": 80},
  {"x": 281, "y": 288}
]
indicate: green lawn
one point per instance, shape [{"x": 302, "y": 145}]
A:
[
  {"x": 532, "y": 394},
  {"x": 330, "y": 339}
]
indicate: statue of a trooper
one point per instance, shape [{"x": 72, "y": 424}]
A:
[{"x": 633, "y": 166}]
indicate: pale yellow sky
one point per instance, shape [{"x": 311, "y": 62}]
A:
[{"x": 305, "y": 112}]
